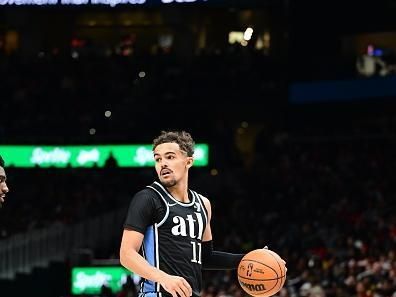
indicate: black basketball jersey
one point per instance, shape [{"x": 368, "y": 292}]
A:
[{"x": 173, "y": 242}]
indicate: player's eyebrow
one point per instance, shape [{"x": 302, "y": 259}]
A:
[
  {"x": 170, "y": 153},
  {"x": 166, "y": 153}
]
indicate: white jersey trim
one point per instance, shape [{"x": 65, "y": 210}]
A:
[
  {"x": 177, "y": 201},
  {"x": 199, "y": 198},
  {"x": 157, "y": 252},
  {"x": 144, "y": 256},
  {"x": 166, "y": 203}
]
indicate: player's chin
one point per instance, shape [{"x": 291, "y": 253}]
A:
[{"x": 168, "y": 182}]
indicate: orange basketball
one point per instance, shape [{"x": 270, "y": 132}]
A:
[{"x": 261, "y": 273}]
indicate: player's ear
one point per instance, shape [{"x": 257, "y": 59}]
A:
[{"x": 190, "y": 161}]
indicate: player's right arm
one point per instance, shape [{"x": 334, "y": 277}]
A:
[
  {"x": 132, "y": 260},
  {"x": 141, "y": 214}
]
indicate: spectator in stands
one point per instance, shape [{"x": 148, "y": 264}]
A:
[{"x": 3, "y": 186}]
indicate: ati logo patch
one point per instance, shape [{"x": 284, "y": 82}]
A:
[
  {"x": 191, "y": 226},
  {"x": 253, "y": 288}
]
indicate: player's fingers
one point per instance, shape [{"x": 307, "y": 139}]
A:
[
  {"x": 181, "y": 292},
  {"x": 170, "y": 290},
  {"x": 185, "y": 290},
  {"x": 188, "y": 287},
  {"x": 266, "y": 247},
  {"x": 174, "y": 294}
]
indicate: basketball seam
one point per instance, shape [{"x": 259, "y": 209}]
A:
[
  {"x": 261, "y": 279},
  {"x": 282, "y": 275},
  {"x": 277, "y": 278},
  {"x": 280, "y": 268},
  {"x": 261, "y": 264}
]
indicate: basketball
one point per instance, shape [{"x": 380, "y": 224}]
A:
[{"x": 261, "y": 273}]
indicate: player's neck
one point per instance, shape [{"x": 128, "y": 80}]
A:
[{"x": 180, "y": 192}]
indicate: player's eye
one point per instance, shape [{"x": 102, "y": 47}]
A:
[
  {"x": 171, "y": 157},
  {"x": 157, "y": 160}
]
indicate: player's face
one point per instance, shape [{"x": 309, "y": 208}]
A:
[
  {"x": 171, "y": 163},
  {"x": 3, "y": 186}
]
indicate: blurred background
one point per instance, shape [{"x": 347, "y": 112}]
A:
[{"x": 292, "y": 101}]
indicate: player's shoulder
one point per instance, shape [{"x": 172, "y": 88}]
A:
[
  {"x": 205, "y": 201},
  {"x": 145, "y": 193},
  {"x": 199, "y": 195},
  {"x": 146, "y": 198}
]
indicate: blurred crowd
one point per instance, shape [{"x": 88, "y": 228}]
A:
[
  {"x": 61, "y": 98},
  {"x": 326, "y": 205}
]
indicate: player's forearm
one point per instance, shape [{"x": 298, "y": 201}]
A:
[
  {"x": 222, "y": 261},
  {"x": 216, "y": 260},
  {"x": 133, "y": 261}
]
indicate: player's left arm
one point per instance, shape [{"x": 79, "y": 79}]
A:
[
  {"x": 207, "y": 235},
  {"x": 215, "y": 260}
]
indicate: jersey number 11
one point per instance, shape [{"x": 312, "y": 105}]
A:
[{"x": 196, "y": 249}]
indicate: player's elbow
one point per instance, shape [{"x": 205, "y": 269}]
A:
[{"x": 123, "y": 256}]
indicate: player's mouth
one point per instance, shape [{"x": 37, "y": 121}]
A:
[
  {"x": 166, "y": 172},
  {"x": 2, "y": 197}
]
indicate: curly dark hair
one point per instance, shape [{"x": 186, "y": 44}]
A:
[
  {"x": 182, "y": 138},
  {"x": 2, "y": 163}
]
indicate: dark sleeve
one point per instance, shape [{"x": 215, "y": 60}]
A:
[
  {"x": 142, "y": 211},
  {"x": 216, "y": 260}
]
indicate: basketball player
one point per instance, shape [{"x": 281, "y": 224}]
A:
[
  {"x": 170, "y": 224},
  {"x": 3, "y": 186}
]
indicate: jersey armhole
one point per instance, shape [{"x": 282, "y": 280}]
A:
[
  {"x": 164, "y": 202},
  {"x": 200, "y": 200}
]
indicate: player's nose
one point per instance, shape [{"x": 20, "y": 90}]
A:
[{"x": 5, "y": 188}]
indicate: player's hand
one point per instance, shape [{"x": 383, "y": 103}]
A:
[
  {"x": 176, "y": 285},
  {"x": 284, "y": 262}
]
